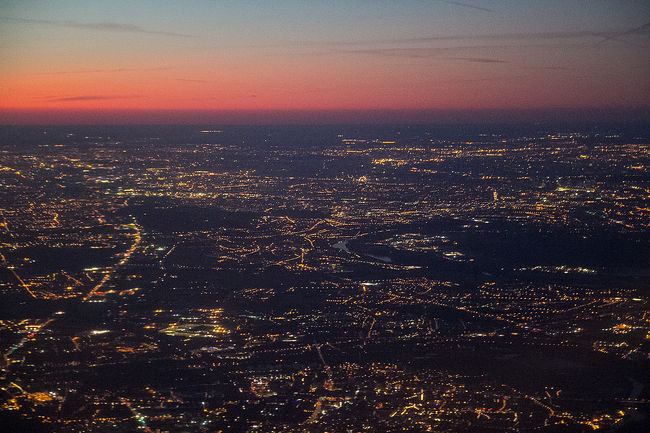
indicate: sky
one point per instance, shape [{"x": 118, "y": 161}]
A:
[{"x": 155, "y": 61}]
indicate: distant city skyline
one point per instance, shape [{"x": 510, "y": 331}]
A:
[{"x": 322, "y": 62}]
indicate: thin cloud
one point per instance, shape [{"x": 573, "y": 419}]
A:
[
  {"x": 465, "y": 5},
  {"x": 101, "y": 26},
  {"x": 414, "y": 53},
  {"x": 479, "y": 60},
  {"x": 450, "y": 52},
  {"x": 399, "y": 47},
  {"x": 514, "y": 37},
  {"x": 102, "y": 71},
  {"x": 191, "y": 80},
  {"x": 556, "y": 68},
  {"x": 88, "y": 98},
  {"x": 491, "y": 37},
  {"x": 511, "y": 36},
  {"x": 632, "y": 31},
  {"x": 423, "y": 52},
  {"x": 478, "y": 80}
]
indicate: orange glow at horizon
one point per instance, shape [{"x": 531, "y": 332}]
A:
[{"x": 295, "y": 56}]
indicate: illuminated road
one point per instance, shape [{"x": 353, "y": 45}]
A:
[
  {"x": 142, "y": 423},
  {"x": 20, "y": 280},
  {"x": 22, "y": 342},
  {"x": 127, "y": 255}
]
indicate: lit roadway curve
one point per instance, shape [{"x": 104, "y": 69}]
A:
[
  {"x": 20, "y": 280},
  {"x": 20, "y": 344},
  {"x": 125, "y": 259}
]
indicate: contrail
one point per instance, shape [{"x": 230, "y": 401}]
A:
[
  {"x": 466, "y": 5},
  {"x": 102, "y": 26},
  {"x": 628, "y": 32}
]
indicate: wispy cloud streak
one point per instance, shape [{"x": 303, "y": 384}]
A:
[
  {"x": 466, "y": 5},
  {"x": 487, "y": 38},
  {"x": 633, "y": 31},
  {"x": 479, "y": 60},
  {"x": 101, "y": 26},
  {"x": 102, "y": 71},
  {"x": 425, "y": 52},
  {"x": 192, "y": 80},
  {"x": 88, "y": 98}
]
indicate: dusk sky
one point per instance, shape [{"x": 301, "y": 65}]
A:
[{"x": 78, "y": 61}]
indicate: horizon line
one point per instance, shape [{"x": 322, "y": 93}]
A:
[{"x": 10, "y": 117}]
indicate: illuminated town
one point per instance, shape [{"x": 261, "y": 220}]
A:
[{"x": 325, "y": 279}]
